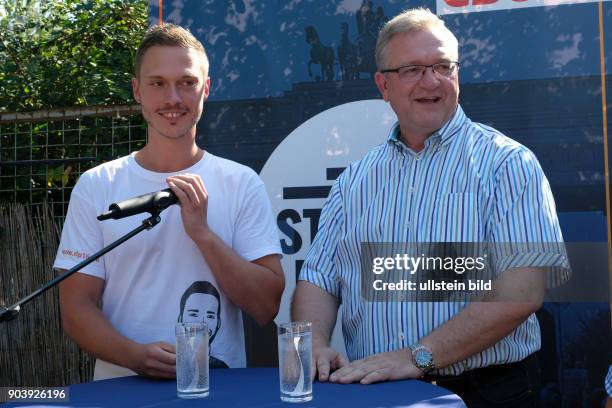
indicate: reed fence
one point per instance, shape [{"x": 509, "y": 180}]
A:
[{"x": 34, "y": 350}]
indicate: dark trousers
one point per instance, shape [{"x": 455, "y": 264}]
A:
[{"x": 514, "y": 385}]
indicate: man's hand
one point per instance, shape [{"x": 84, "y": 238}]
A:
[
  {"x": 324, "y": 360},
  {"x": 393, "y": 365},
  {"x": 157, "y": 360},
  {"x": 193, "y": 197}
]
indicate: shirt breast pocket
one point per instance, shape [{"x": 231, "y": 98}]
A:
[{"x": 456, "y": 218}]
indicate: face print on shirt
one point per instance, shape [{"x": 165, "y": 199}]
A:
[
  {"x": 201, "y": 302},
  {"x": 202, "y": 307}
]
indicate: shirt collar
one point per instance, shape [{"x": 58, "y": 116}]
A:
[
  {"x": 445, "y": 133},
  {"x": 452, "y": 127}
]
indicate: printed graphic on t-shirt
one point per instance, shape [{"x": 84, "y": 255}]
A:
[{"x": 201, "y": 302}]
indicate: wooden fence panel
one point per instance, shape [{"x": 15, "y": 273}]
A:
[{"x": 34, "y": 350}]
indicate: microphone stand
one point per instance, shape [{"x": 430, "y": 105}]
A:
[{"x": 12, "y": 311}]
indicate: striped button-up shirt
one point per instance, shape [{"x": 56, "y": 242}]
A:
[{"x": 470, "y": 183}]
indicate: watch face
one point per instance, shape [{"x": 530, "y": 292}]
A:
[{"x": 423, "y": 358}]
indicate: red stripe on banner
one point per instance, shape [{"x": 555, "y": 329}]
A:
[{"x": 604, "y": 112}]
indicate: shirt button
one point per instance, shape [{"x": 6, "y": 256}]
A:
[
  {"x": 411, "y": 190},
  {"x": 400, "y": 335}
]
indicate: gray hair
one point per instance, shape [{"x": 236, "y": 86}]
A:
[{"x": 418, "y": 19}]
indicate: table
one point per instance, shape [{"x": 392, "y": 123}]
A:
[{"x": 255, "y": 387}]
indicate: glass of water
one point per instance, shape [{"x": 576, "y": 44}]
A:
[
  {"x": 191, "y": 360},
  {"x": 294, "y": 360}
]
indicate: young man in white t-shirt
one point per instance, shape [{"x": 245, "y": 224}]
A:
[{"x": 221, "y": 241}]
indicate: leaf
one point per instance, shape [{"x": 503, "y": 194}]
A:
[
  {"x": 54, "y": 175},
  {"x": 66, "y": 175}
]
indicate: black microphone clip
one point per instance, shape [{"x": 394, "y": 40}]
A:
[{"x": 153, "y": 203}]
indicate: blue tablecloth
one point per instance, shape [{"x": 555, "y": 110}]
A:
[{"x": 256, "y": 387}]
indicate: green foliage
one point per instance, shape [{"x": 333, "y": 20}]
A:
[
  {"x": 59, "y": 176},
  {"x": 60, "y": 53}
]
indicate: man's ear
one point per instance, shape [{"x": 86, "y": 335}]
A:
[
  {"x": 135, "y": 90},
  {"x": 206, "y": 90},
  {"x": 382, "y": 84}
]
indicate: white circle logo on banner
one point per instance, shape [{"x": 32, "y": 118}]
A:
[{"x": 299, "y": 174}]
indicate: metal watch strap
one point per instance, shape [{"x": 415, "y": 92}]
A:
[{"x": 423, "y": 358}]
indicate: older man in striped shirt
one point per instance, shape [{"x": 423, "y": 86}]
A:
[{"x": 439, "y": 178}]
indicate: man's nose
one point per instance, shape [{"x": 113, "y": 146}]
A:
[
  {"x": 172, "y": 95},
  {"x": 429, "y": 79}
]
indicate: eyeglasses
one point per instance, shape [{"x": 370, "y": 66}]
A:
[{"x": 410, "y": 73}]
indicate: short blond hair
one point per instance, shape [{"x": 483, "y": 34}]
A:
[
  {"x": 418, "y": 19},
  {"x": 169, "y": 35}
]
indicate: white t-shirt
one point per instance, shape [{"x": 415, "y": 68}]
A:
[{"x": 160, "y": 276}]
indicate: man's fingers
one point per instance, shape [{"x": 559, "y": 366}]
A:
[
  {"x": 160, "y": 373},
  {"x": 162, "y": 357},
  {"x": 168, "y": 347},
  {"x": 339, "y": 362},
  {"x": 374, "y": 376},
  {"x": 183, "y": 199},
  {"x": 202, "y": 186},
  {"x": 194, "y": 186},
  {"x": 323, "y": 368},
  {"x": 166, "y": 357},
  {"x": 351, "y": 372},
  {"x": 200, "y": 189},
  {"x": 163, "y": 367},
  {"x": 375, "y": 368},
  {"x": 342, "y": 371},
  {"x": 185, "y": 184},
  {"x": 326, "y": 360},
  {"x": 163, "y": 362},
  {"x": 349, "y": 375}
]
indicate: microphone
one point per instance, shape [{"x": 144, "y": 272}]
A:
[{"x": 152, "y": 203}]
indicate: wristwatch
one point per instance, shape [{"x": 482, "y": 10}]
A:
[{"x": 423, "y": 358}]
